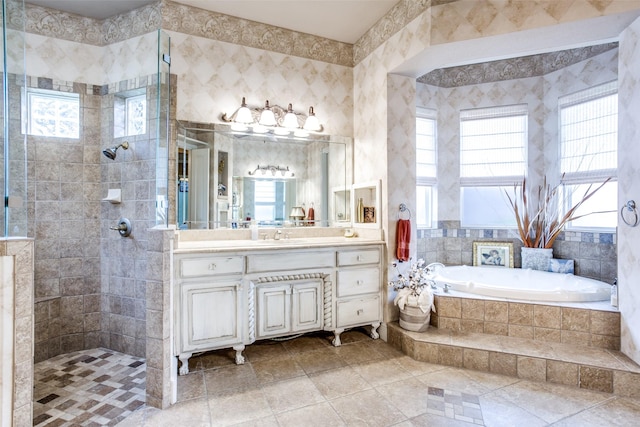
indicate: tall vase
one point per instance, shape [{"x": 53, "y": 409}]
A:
[{"x": 536, "y": 258}]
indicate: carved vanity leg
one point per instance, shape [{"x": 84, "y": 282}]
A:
[
  {"x": 374, "y": 330},
  {"x": 239, "y": 356},
  {"x": 336, "y": 340},
  {"x": 184, "y": 358}
]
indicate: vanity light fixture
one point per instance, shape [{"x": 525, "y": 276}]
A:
[
  {"x": 273, "y": 119},
  {"x": 284, "y": 170}
]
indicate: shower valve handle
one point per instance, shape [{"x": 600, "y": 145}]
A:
[{"x": 123, "y": 227}]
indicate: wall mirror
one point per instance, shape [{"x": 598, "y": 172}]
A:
[{"x": 226, "y": 179}]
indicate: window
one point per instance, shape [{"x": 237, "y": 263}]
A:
[
  {"x": 426, "y": 171},
  {"x": 52, "y": 113},
  {"x": 269, "y": 203},
  {"x": 136, "y": 107},
  {"x": 589, "y": 153},
  {"x": 493, "y": 148},
  {"x": 130, "y": 113}
]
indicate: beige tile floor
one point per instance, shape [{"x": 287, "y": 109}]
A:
[{"x": 307, "y": 382}]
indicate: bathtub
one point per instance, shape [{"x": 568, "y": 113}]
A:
[{"x": 516, "y": 283}]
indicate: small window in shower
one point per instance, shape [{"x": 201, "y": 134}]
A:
[
  {"x": 130, "y": 113},
  {"x": 52, "y": 113}
]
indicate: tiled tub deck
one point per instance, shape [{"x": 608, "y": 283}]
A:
[{"x": 571, "y": 344}]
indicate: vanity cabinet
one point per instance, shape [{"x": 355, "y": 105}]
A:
[
  {"x": 358, "y": 296},
  {"x": 233, "y": 297},
  {"x": 289, "y": 308},
  {"x": 211, "y": 306}
]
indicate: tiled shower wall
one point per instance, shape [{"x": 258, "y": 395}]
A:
[
  {"x": 64, "y": 186},
  {"x": 89, "y": 281}
]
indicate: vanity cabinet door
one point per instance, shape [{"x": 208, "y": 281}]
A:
[
  {"x": 307, "y": 306},
  {"x": 274, "y": 310},
  {"x": 289, "y": 308},
  {"x": 210, "y": 315}
]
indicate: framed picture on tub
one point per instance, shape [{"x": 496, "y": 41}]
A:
[{"x": 496, "y": 254}]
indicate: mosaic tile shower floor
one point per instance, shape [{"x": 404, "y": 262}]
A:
[{"x": 88, "y": 388}]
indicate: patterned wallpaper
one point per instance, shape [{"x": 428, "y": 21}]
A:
[
  {"x": 216, "y": 26},
  {"x": 185, "y": 19},
  {"x": 395, "y": 20},
  {"x": 188, "y": 20},
  {"x": 513, "y": 68}
]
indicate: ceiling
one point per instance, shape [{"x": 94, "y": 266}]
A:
[{"x": 341, "y": 20}]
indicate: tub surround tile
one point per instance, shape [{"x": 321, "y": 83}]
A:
[
  {"x": 545, "y": 316},
  {"x": 448, "y": 307},
  {"x": 577, "y": 338},
  {"x": 562, "y": 373},
  {"x": 452, "y": 324},
  {"x": 477, "y": 360},
  {"x": 605, "y": 323},
  {"x": 521, "y": 331},
  {"x": 503, "y": 364},
  {"x": 520, "y": 314},
  {"x": 450, "y": 356},
  {"x": 575, "y": 320},
  {"x": 496, "y": 311},
  {"x": 596, "y": 379},
  {"x": 496, "y": 328},
  {"x": 531, "y": 368},
  {"x": 544, "y": 322},
  {"x": 472, "y": 309},
  {"x": 468, "y": 325},
  {"x": 604, "y": 341},
  {"x": 586, "y": 367},
  {"x": 545, "y": 334}
]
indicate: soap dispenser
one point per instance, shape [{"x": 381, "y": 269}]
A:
[{"x": 614, "y": 293}]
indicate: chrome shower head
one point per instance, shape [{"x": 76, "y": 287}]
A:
[{"x": 111, "y": 152}]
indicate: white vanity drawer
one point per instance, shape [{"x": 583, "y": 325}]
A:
[
  {"x": 210, "y": 266},
  {"x": 358, "y": 311},
  {"x": 290, "y": 261},
  {"x": 356, "y": 257},
  {"x": 358, "y": 281}
]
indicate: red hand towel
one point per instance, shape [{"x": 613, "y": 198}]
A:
[{"x": 403, "y": 237}]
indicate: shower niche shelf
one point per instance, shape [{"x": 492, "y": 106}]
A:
[{"x": 114, "y": 195}]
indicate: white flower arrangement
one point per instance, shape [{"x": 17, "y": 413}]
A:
[{"x": 414, "y": 287}]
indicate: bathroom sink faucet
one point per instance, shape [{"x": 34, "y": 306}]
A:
[{"x": 277, "y": 234}]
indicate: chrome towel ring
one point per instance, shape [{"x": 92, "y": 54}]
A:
[
  {"x": 404, "y": 209},
  {"x": 630, "y": 206}
]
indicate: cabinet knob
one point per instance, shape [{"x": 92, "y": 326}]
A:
[
  {"x": 359, "y": 312},
  {"x": 359, "y": 258},
  {"x": 212, "y": 266},
  {"x": 359, "y": 282}
]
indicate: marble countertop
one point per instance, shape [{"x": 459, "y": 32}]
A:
[{"x": 192, "y": 246}]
